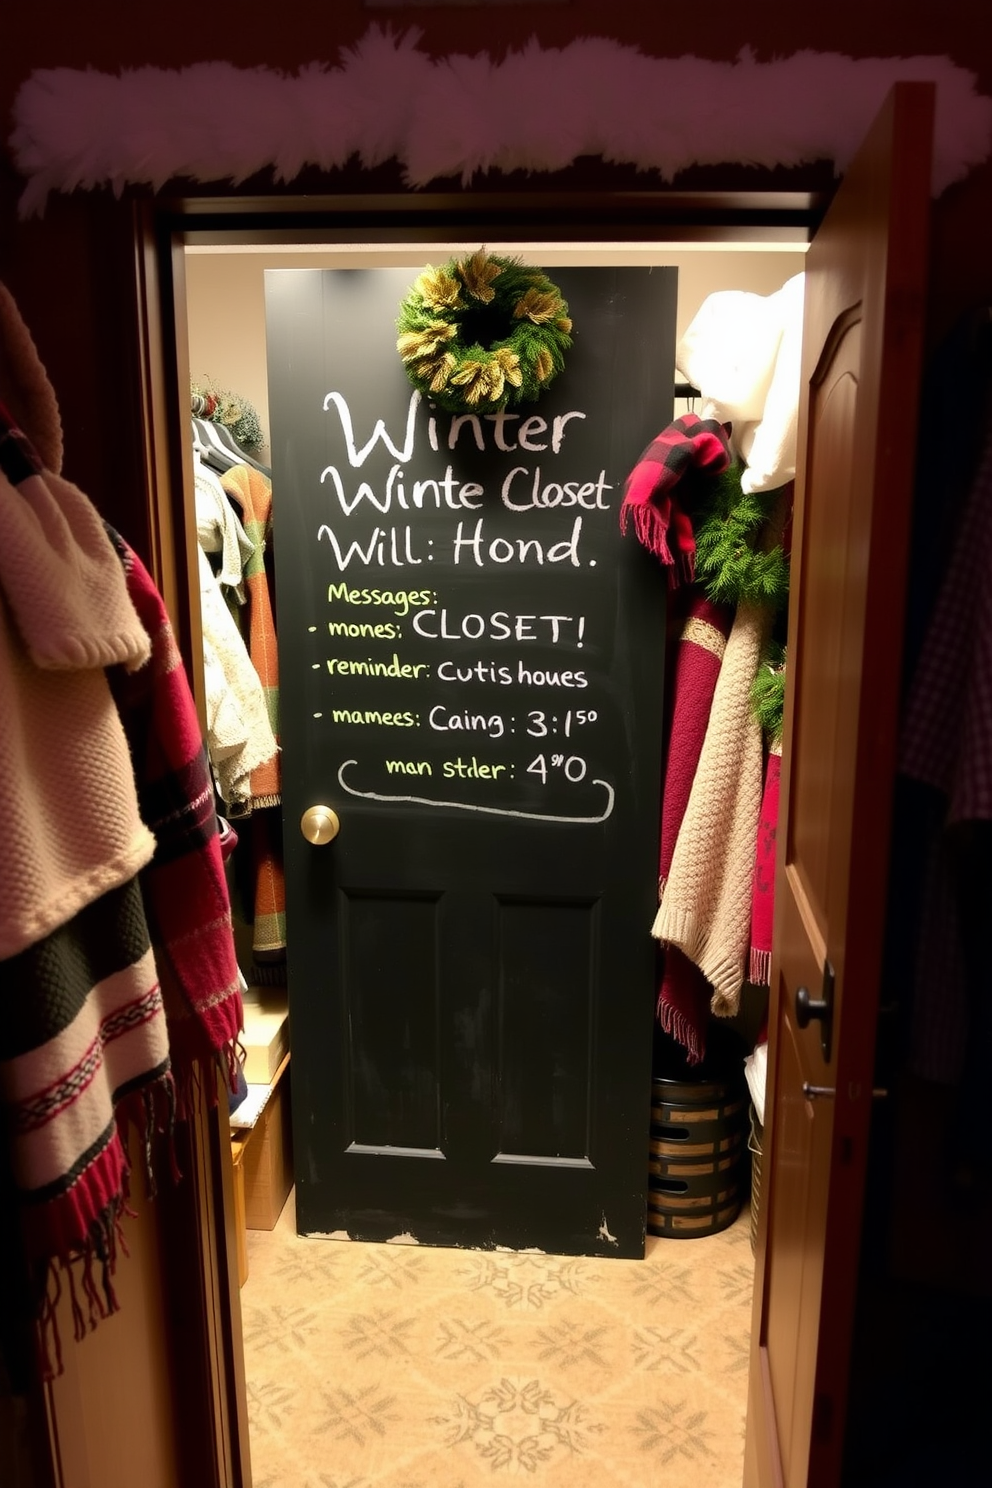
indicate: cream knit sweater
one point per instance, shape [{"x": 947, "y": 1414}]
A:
[
  {"x": 706, "y": 901},
  {"x": 68, "y": 806}
]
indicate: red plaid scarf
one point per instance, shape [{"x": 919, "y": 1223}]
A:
[
  {"x": 660, "y": 522},
  {"x": 184, "y": 887}
]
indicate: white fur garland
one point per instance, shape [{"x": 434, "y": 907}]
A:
[{"x": 538, "y": 110}]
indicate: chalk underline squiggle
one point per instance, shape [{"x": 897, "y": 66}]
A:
[{"x": 487, "y": 810}]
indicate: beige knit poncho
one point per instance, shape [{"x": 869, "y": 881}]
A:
[{"x": 68, "y": 806}]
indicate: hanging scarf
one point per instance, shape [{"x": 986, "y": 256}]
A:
[
  {"x": 689, "y": 444},
  {"x": 84, "y": 1053},
  {"x": 83, "y": 1042},
  {"x": 763, "y": 883},
  {"x": 706, "y": 902},
  {"x": 184, "y": 887},
  {"x": 694, "y": 666}
]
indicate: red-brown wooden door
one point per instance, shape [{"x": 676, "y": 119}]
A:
[{"x": 862, "y": 343}]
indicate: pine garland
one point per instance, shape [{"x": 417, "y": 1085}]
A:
[
  {"x": 768, "y": 693},
  {"x": 730, "y": 563}
]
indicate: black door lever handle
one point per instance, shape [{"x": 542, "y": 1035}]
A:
[
  {"x": 808, "y": 1008},
  {"x": 818, "y": 1009}
]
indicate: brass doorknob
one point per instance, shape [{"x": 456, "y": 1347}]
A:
[{"x": 319, "y": 824}]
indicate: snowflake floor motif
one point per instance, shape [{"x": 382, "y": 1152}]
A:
[
  {"x": 519, "y": 1424},
  {"x": 381, "y": 1366}
]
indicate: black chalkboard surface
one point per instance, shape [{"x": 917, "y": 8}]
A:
[{"x": 471, "y": 675}]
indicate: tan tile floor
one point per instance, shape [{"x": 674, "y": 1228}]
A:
[{"x": 393, "y": 1366}]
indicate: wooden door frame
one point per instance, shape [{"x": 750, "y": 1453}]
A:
[{"x": 203, "y": 1267}]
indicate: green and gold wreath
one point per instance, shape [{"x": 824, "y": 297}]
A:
[{"x": 483, "y": 333}]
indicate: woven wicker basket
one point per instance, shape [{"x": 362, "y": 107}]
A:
[{"x": 754, "y": 1146}]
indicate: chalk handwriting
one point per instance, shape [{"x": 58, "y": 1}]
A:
[{"x": 471, "y": 806}]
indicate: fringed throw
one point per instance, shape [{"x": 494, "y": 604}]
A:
[
  {"x": 706, "y": 902},
  {"x": 184, "y": 886},
  {"x": 694, "y": 666},
  {"x": 84, "y": 1052}
]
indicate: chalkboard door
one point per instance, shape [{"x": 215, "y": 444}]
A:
[{"x": 471, "y": 677}]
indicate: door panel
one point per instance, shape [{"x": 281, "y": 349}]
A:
[
  {"x": 861, "y": 360},
  {"x": 544, "y": 1105},
  {"x": 471, "y": 662},
  {"x": 389, "y": 947}
]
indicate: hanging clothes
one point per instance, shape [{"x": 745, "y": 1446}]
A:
[
  {"x": 83, "y": 1040},
  {"x": 694, "y": 663},
  {"x": 251, "y": 492},
  {"x": 705, "y": 905},
  {"x": 218, "y": 530},
  {"x": 714, "y": 894},
  {"x": 183, "y": 888},
  {"x": 217, "y": 447},
  {"x": 239, "y": 734},
  {"x": 71, "y": 824}
]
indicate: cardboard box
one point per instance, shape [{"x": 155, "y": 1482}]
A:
[
  {"x": 266, "y": 1035},
  {"x": 267, "y": 1156}
]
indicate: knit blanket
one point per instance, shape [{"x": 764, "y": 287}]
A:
[
  {"x": 184, "y": 887},
  {"x": 72, "y": 830},
  {"x": 83, "y": 1042},
  {"x": 693, "y": 668},
  {"x": 83, "y": 1053},
  {"x": 705, "y": 905}
]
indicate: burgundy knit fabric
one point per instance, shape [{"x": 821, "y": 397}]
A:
[
  {"x": 184, "y": 887},
  {"x": 763, "y": 889},
  {"x": 694, "y": 665}
]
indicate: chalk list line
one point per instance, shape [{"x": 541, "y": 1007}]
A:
[{"x": 487, "y": 810}]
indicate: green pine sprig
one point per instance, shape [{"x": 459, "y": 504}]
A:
[
  {"x": 768, "y": 692},
  {"x": 730, "y": 563}
]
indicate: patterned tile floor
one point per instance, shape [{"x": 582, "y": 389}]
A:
[{"x": 394, "y": 1366}]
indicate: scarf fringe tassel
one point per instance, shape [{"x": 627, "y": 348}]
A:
[
  {"x": 682, "y": 928},
  {"x": 651, "y": 530},
  {"x": 89, "y": 1267},
  {"x": 760, "y": 968},
  {"x": 89, "y": 1274},
  {"x": 678, "y": 1026}
]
